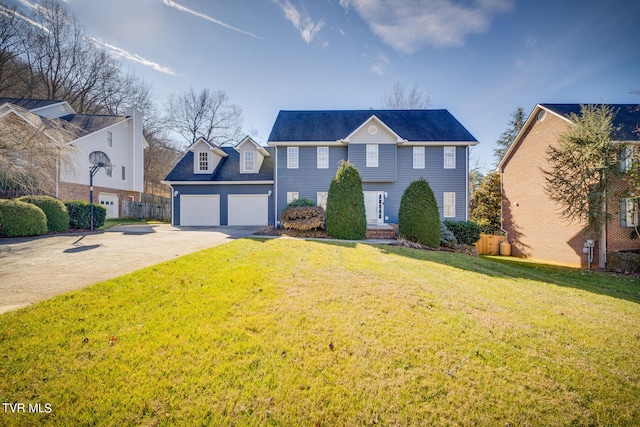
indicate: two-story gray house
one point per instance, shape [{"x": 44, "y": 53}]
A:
[{"x": 249, "y": 184}]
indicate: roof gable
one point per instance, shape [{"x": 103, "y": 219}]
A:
[
  {"x": 249, "y": 140},
  {"x": 201, "y": 142},
  {"x": 372, "y": 125},
  {"x": 336, "y": 125}
]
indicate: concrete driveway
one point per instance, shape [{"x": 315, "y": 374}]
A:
[{"x": 34, "y": 269}]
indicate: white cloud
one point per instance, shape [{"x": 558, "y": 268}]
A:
[
  {"x": 302, "y": 21},
  {"x": 185, "y": 9},
  {"x": 408, "y": 25},
  {"x": 379, "y": 64},
  {"x": 121, "y": 53}
]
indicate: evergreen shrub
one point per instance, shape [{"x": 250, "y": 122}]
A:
[
  {"x": 447, "y": 238},
  {"x": 19, "y": 219},
  {"x": 54, "y": 209},
  {"x": 418, "y": 217},
  {"x": 299, "y": 203},
  {"x": 467, "y": 232},
  {"x": 346, "y": 216},
  {"x": 80, "y": 214}
]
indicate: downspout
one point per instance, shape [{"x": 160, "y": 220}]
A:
[
  {"x": 602, "y": 250},
  {"x": 467, "y": 185},
  {"x": 275, "y": 189},
  {"x": 506, "y": 233}
]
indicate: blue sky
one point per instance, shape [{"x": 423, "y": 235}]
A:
[{"x": 480, "y": 59}]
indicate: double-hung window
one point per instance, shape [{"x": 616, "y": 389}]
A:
[
  {"x": 449, "y": 204},
  {"x": 372, "y": 155},
  {"x": 418, "y": 157},
  {"x": 322, "y": 154},
  {"x": 292, "y": 157},
  {"x": 109, "y": 139},
  {"x": 249, "y": 161},
  {"x": 628, "y": 212},
  {"x": 292, "y": 195},
  {"x": 203, "y": 161},
  {"x": 449, "y": 157}
]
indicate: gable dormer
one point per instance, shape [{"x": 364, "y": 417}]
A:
[
  {"x": 252, "y": 155},
  {"x": 206, "y": 156}
]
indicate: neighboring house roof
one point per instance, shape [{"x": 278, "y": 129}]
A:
[
  {"x": 92, "y": 122},
  {"x": 228, "y": 169},
  {"x": 55, "y": 129},
  {"x": 411, "y": 125},
  {"x": 627, "y": 119},
  {"x": 30, "y": 104}
]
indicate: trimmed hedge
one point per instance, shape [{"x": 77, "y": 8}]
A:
[
  {"x": 80, "y": 214},
  {"x": 297, "y": 203},
  {"x": 19, "y": 219},
  {"x": 418, "y": 217},
  {"x": 467, "y": 232},
  {"x": 54, "y": 209},
  {"x": 346, "y": 216},
  {"x": 303, "y": 218}
]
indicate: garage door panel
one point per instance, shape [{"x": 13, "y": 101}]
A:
[
  {"x": 199, "y": 210},
  {"x": 248, "y": 209}
]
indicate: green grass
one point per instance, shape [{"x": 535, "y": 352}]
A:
[{"x": 293, "y": 333}]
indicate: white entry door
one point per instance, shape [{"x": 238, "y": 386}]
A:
[{"x": 374, "y": 206}]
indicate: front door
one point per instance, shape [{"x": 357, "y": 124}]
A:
[{"x": 374, "y": 206}]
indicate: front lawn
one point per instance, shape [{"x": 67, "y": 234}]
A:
[{"x": 293, "y": 333}]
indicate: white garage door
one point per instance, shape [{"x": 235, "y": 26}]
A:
[
  {"x": 199, "y": 210},
  {"x": 248, "y": 209},
  {"x": 109, "y": 201}
]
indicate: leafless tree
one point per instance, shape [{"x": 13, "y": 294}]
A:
[
  {"x": 125, "y": 90},
  {"x": 399, "y": 99},
  {"x": 11, "y": 47},
  {"x": 205, "y": 114},
  {"x": 33, "y": 150}
]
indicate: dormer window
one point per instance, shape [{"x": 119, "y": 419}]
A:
[
  {"x": 203, "y": 161},
  {"x": 249, "y": 161}
]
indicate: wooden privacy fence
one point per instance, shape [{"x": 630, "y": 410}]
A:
[
  {"x": 150, "y": 207},
  {"x": 489, "y": 244}
]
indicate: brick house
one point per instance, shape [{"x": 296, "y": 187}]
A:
[{"x": 532, "y": 221}]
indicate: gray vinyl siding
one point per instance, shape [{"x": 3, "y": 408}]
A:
[
  {"x": 308, "y": 180},
  {"x": 224, "y": 191},
  {"x": 385, "y": 171}
]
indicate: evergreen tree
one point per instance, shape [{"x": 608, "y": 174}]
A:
[
  {"x": 508, "y": 136},
  {"x": 418, "y": 217},
  {"x": 485, "y": 204},
  {"x": 346, "y": 217}
]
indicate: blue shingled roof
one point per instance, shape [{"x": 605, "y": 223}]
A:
[
  {"x": 30, "y": 104},
  {"x": 411, "y": 125},
  {"x": 228, "y": 169},
  {"x": 92, "y": 122},
  {"x": 627, "y": 117}
]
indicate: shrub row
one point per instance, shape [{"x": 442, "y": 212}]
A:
[
  {"x": 35, "y": 215},
  {"x": 466, "y": 232}
]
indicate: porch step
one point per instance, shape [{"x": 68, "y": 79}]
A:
[{"x": 382, "y": 231}]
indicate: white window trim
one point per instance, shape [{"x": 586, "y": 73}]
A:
[
  {"x": 322, "y": 160},
  {"x": 449, "y": 205},
  {"x": 252, "y": 161},
  {"x": 293, "y": 154},
  {"x": 292, "y": 195},
  {"x": 371, "y": 155},
  {"x": 419, "y": 160},
  {"x": 451, "y": 165}
]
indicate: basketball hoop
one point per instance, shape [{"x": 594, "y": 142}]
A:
[{"x": 99, "y": 160}]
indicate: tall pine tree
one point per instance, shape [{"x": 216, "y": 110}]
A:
[{"x": 508, "y": 136}]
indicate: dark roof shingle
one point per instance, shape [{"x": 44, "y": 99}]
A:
[
  {"x": 627, "y": 117},
  {"x": 334, "y": 125}
]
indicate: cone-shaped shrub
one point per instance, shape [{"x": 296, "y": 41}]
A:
[
  {"x": 418, "y": 217},
  {"x": 346, "y": 217},
  {"x": 54, "y": 209}
]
